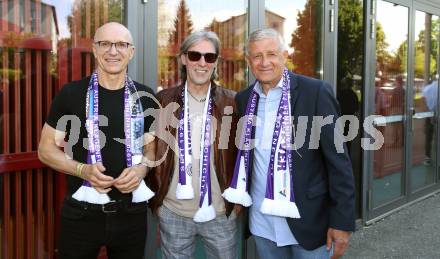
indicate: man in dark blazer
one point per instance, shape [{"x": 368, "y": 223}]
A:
[{"x": 323, "y": 185}]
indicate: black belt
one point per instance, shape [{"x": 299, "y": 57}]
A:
[{"x": 110, "y": 207}]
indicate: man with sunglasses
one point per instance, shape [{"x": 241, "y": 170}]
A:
[
  {"x": 107, "y": 155},
  {"x": 191, "y": 179}
]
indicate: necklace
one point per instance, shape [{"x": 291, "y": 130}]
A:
[{"x": 200, "y": 101}]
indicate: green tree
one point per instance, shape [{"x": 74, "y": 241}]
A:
[
  {"x": 306, "y": 40},
  {"x": 168, "y": 63},
  {"x": 421, "y": 49},
  {"x": 350, "y": 39},
  {"x": 183, "y": 25},
  {"x": 383, "y": 57},
  {"x": 115, "y": 11},
  {"x": 397, "y": 62}
]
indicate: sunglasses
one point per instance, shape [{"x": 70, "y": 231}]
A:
[{"x": 196, "y": 56}]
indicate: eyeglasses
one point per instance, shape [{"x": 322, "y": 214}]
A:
[
  {"x": 107, "y": 45},
  {"x": 196, "y": 56}
]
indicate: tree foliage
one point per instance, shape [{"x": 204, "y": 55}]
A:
[
  {"x": 183, "y": 25},
  {"x": 399, "y": 60},
  {"x": 350, "y": 39},
  {"x": 420, "y": 54},
  {"x": 306, "y": 40},
  {"x": 383, "y": 57}
]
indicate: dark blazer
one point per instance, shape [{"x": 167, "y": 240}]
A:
[{"x": 323, "y": 179}]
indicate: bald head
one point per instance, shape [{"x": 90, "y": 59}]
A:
[
  {"x": 111, "y": 51},
  {"x": 113, "y": 30}
]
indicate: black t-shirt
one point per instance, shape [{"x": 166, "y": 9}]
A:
[{"x": 71, "y": 100}]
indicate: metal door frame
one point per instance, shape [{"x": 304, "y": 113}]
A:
[
  {"x": 370, "y": 214},
  {"x": 428, "y": 189}
]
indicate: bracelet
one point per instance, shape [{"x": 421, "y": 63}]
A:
[
  {"x": 79, "y": 168},
  {"x": 144, "y": 164}
]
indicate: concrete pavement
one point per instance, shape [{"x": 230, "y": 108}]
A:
[{"x": 413, "y": 232}]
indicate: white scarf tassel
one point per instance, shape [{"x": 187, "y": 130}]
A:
[
  {"x": 282, "y": 208},
  {"x": 184, "y": 192},
  {"x": 90, "y": 195},
  {"x": 142, "y": 193},
  {"x": 239, "y": 195},
  {"x": 204, "y": 214}
]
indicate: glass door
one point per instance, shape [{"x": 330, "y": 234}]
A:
[
  {"x": 405, "y": 95},
  {"x": 424, "y": 101},
  {"x": 390, "y": 84}
]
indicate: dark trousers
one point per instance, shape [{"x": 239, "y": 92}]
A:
[
  {"x": 84, "y": 230},
  {"x": 429, "y": 134}
]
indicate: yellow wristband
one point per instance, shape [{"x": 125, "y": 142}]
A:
[{"x": 79, "y": 168}]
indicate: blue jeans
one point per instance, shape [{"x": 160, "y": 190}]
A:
[{"x": 268, "y": 249}]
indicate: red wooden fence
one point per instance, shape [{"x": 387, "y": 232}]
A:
[
  {"x": 27, "y": 84},
  {"x": 34, "y": 64}
]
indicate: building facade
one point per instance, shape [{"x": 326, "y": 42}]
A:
[{"x": 381, "y": 57}]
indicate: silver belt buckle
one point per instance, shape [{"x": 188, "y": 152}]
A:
[{"x": 109, "y": 207}]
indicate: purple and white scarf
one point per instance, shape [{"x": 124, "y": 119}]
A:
[
  {"x": 279, "y": 198},
  {"x": 184, "y": 190},
  {"x": 134, "y": 140}
]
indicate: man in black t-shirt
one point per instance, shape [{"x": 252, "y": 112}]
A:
[{"x": 102, "y": 122}]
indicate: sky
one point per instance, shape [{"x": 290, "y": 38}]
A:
[
  {"x": 63, "y": 9},
  {"x": 387, "y": 15},
  {"x": 289, "y": 10},
  {"x": 390, "y": 15}
]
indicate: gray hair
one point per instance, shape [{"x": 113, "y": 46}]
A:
[
  {"x": 192, "y": 39},
  {"x": 267, "y": 33}
]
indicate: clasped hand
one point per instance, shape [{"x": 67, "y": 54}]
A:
[{"x": 128, "y": 180}]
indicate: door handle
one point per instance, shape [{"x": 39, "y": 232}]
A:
[{"x": 413, "y": 111}]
